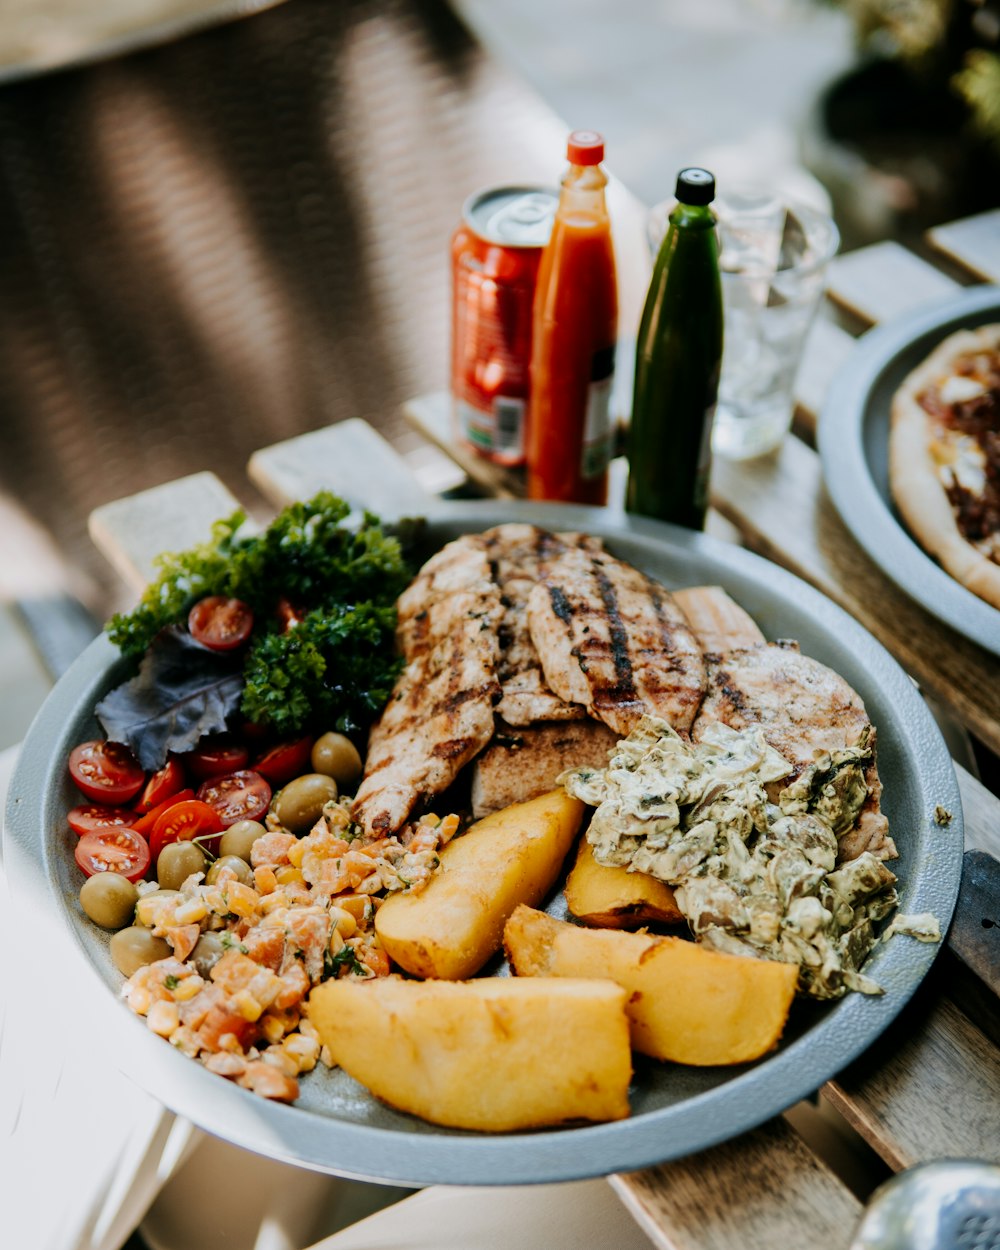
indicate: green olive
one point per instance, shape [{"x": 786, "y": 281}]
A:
[
  {"x": 132, "y": 948},
  {"x": 239, "y": 838},
  {"x": 300, "y": 804},
  {"x": 207, "y": 952},
  {"x": 176, "y": 862},
  {"x": 240, "y": 866},
  {"x": 337, "y": 757},
  {"x": 109, "y": 899}
]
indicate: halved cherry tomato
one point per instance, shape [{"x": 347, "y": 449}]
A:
[
  {"x": 144, "y": 824},
  {"x": 167, "y": 781},
  {"x": 106, "y": 772},
  {"x": 285, "y": 761},
  {"x": 182, "y": 823},
  {"x": 220, "y": 623},
  {"x": 118, "y": 849},
  {"x": 242, "y": 795},
  {"x": 216, "y": 755},
  {"x": 91, "y": 816}
]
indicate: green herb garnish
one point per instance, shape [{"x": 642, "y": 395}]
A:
[{"x": 335, "y": 665}]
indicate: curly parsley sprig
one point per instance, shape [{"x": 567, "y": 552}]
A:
[{"x": 337, "y": 664}]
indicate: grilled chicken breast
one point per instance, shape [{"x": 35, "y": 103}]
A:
[
  {"x": 520, "y": 764},
  {"x": 719, "y": 623},
  {"x": 614, "y": 640},
  {"x": 440, "y": 713},
  {"x": 803, "y": 708},
  {"x": 519, "y": 556}
]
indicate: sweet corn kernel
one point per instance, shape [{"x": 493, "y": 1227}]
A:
[
  {"x": 326, "y": 1058},
  {"x": 190, "y": 911},
  {"x": 337, "y": 942},
  {"x": 230, "y": 1042},
  {"x": 247, "y": 1006},
  {"x": 163, "y": 1017},
  {"x": 275, "y": 1055},
  {"x": 140, "y": 1000},
  {"x": 188, "y": 988},
  {"x": 308, "y": 1029},
  {"x": 296, "y": 854},
  {"x": 448, "y": 828},
  {"x": 343, "y": 922},
  {"x": 272, "y": 902},
  {"x": 286, "y": 875},
  {"x": 265, "y": 880},
  {"x": 147, "y": 910},
  {"x": 429, "y": 819},
  {"x": 303, "y": 1050},
  {"x": 272, "y": 1028}
]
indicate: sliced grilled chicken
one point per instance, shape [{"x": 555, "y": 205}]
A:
[
  {"x": 520, "y": 764},
  {"x": 719, "y": 623},
  {"x": 614, "y": 640},
  {"x": 520, "y": 555},
  {"x": 803, "y": 708},
  {"x": 440, "y": 713}
]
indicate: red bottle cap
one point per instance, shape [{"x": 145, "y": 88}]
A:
[{"x": 585, "y": 147}]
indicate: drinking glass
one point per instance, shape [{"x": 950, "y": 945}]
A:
[{"x": 773, "y": 255}]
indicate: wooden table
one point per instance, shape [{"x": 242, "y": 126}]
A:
[{"x": 930, "y": 1088}]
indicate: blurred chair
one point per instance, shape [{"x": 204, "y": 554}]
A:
[{"x": 231, "y": 239}]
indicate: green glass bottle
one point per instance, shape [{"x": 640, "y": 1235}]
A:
[{"x": 678, "y": 355}]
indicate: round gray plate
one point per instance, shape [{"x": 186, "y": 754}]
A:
[
  {"x": 854, "y": 447},
  {"x": 336, "y": 1126}
]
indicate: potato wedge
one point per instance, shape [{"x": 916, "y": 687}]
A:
[
  {"x": 491, "y": 1055},
  {"x": 455, "y": 924},
  {"x": 687, "y": 1004},
  {"x": 609, "y": 897}
]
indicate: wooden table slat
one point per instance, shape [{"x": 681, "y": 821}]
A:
[
  {"x": 130, "y": 533},
  {"x": 431, "y": 415},
  {"x": 826, "y": 351},
  {"x": 350, "y": 458},
  {"x": 761, "y": 497},
  {"x": 763, "y": 1190},
  {"x": 928, "y": 1089},
  {"x": 973, "y": 242},
  {"x": 884, "y": 280}
]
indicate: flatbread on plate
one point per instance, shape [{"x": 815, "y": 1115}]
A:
[{"x": 929, "y": 454}]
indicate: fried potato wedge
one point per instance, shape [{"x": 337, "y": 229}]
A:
[
  {"x": 609, "y": 897},
  {"x": 490, "y": 1055},
  {"x": 455, "y": 924},
  {"x": 686, "y": 1003}
]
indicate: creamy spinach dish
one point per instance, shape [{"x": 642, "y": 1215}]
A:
[{"x": 753, "y": 863}]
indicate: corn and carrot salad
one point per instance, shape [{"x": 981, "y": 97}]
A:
[{"x": 245, "y": 957}]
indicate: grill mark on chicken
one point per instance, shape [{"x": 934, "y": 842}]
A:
[
  {"x": 441, "y": 710},
  {"x": 612, "y": 639},
  {"x": 519, "y": 556}
]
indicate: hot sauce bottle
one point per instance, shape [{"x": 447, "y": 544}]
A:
[
  {"x": 575, "y": 327},
  {"x": 677, "y": 362}
]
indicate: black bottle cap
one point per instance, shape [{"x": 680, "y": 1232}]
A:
[{"x": 695, "y": 186}]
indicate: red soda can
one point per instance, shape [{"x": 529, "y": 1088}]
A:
[{"x": 495, "y": 253}]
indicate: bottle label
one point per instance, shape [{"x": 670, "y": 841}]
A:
[
  {"x": 595, "y": 453},
  {"x": 497, "y": 432}
]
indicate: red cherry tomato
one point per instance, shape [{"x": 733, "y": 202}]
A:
[
  {"x": 216, "y": 755},
  {"x": 182, "y": 823},
  {"x": 145, "y": 824},
  {"x": 167, "y": 781},
  {"x": 220, "y": 623},
  {"x": 117, "y": 849},
  {"x": 106, "y": 772},
  {"x": 242, "y": 795},
  {"x": 91, "y": 816},
  {"x": 285, "y": 761}
]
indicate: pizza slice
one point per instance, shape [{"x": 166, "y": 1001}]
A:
[{"x": 944, "y": 457}]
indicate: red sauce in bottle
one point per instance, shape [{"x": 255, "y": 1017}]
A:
[{"x": 575, "y": 326}]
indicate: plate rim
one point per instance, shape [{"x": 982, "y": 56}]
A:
[
  {"x": 849, "y": 480},
  {"x": 320, "y": 1142}
]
